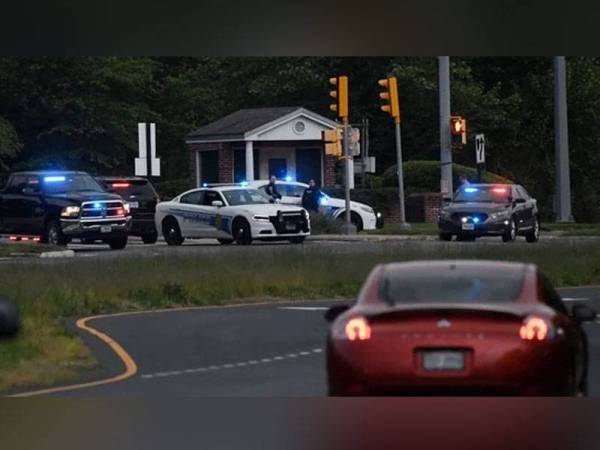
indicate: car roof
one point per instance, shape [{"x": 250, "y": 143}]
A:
[
  {"x": 49, "y": 172},
  {"x": 259, "y": 182},
  {"x": 490, "y": 184},
  {"x": 115, "y": 177}
]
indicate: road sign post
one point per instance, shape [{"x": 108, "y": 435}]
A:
[{"x": 480, "y": 155}]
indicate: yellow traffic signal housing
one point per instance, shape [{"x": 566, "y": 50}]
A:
[
  {"x": 340, "y": 94},
  {"x": 333, "y": 142},
  {"x": 458, "y": 130},
  {"x": 390, "y": 97}
]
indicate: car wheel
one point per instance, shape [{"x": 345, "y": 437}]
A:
[
  {"x": 54, "y": 235},
  {"x": 171, "y": 232},
  {"x": 241, "y": 232},
  {"x": 534, "y": 235},
  {"x": 445, "y": 237},
  {"x": 150, "y": 238},
  {"x": 225, "y": 241},
  {"x": 297, "y": 239},
  {"x": 354, "y": 220},
  {"x": 511, "y": 234},
  {"x": 118, "y": 243}
]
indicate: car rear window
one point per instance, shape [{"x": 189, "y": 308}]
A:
[
  {"x": 452, "y": 285},
  {"x": 130, "y": 187}
]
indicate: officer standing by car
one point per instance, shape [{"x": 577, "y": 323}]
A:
[
  {"x": 271, "y": 189},
  {"x": 311, "y": 196}
]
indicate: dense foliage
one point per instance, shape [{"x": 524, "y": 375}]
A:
[{"x": 82, "y": 112}]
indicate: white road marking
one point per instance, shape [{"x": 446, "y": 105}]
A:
[
  {"x": 252, "y": 362},
  {"x": 575, "y": 299},
  {"x": 304, "y": 308}
]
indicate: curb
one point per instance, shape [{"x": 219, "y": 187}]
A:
[{"x": 58, "y": 254}]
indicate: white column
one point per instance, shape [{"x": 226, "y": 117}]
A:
[
  {"x": 197, "y": 168},
  {"x": 249, "y": 161}
]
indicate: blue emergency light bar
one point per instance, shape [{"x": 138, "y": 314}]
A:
[
  {"x": 288, "y": 178},
  {"x": 471, "y": 190},
  {"x": 54, "y": 179}
]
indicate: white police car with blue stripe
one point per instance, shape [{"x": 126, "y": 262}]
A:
[{"x": 230, "y": 213}]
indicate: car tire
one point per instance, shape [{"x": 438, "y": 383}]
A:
[
  {"x": 534, "y": 235},
  {"x": 150, "y": 238},
  {"x": 54, "y": 235},
  {"x": 445, "y": 236},
  {"x": 241, "y": 232},
  {"x": 118, "y": 243},
  {"x": 225, "y": 241},
  {"x": 297, "y": 239},
  {"x": 354, "y": 219},
  {"x": 510, "y": 235},
  {"x": 172, "y": 232}
]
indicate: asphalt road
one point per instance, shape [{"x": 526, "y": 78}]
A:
[{"x": 272, "y": 350}]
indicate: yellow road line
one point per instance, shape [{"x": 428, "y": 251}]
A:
[{"x": 129, "y": 363}]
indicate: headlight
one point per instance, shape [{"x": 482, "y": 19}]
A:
[
  {"x": 127, "y": 208},
  {"x": 70, "y": 211},
  {"x": 367, "y": 209},
  {"x": 261, "y": 218},
  {"x": 379, "y": 215},
  {"x": 499, "y": 215}
]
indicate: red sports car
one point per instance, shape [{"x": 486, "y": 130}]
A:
[{"x": 457, "y": 327}]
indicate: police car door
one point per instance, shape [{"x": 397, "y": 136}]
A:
[
  {"x": 191, "y": 216},
  {"x": 212, "y": 214}
]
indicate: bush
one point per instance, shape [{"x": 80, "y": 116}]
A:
[
  {"x": 424, "y": 176},
  {"x": 322, "y": 224},
  {"x": 171, "y": 188}
]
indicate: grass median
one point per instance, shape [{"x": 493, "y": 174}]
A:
[{"x": 49, "y": 293}]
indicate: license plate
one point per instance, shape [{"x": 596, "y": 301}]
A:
[
  {"x": 290, "y": 226},
  {"x": 134, "y": 204},
  {"x": 468, "y": 226},
  {"x": 105, "y": 229},
  {"x": 443, "y": 360}
]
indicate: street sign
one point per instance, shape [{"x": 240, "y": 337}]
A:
[
  {"x": 147, "y": 141},
  {"x": 354, "y": 142},
  {"x": 366, "y": 164},
  {"x": 480, "y": 148}
]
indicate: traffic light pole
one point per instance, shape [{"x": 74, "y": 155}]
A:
[
  {"x": 348, "y": 227},
  {"x": 403, "y": 223}
]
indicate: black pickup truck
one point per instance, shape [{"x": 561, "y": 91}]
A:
[{"x": 56, "y": 207}]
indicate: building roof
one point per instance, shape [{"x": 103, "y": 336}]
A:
[{"x": 236, "y": 125}]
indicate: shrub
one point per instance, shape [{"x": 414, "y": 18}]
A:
[{"x": 322, "y": 224}]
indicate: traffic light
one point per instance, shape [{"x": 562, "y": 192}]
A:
[
  {"x": 390, "y": 96},
  {"x": 340, "y": 94},
  {"x": 333, "y": 142},
  {"x": 458, "y": 130}
]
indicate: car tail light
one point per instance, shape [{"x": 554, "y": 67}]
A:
[
  {"x": 358, "y": 329},
  {"x": 535, "y": 329},
  {"x": 120, "y": 185}
]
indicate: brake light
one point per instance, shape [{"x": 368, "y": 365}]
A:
[
  {"x": 358, "y": 329},
  {"x": 120, "y": 185},
  {"x": 534, "y": 329},
  {"x": 499, "y": 190}
]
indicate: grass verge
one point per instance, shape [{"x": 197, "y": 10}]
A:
[
  {"x": 573, "y": 229},
  {"x": 45, "y": 353},
  {"x": 429, "y": 229},
  {"x": 25, "y": 249}
]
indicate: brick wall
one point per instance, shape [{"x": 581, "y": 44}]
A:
[
  {"x": 225, "y": 163},
  {"x": 432, "y": 204},
  {"x": 329, "y": 171}
]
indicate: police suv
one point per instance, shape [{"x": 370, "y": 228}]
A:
[{"x": 230, "y": 213}]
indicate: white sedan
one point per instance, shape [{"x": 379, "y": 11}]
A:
[
  {"x": 230, "y": 213},
  {"x": 362, "y": 216}
]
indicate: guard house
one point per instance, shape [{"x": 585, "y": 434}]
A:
[{"x": 252, "y": 144}]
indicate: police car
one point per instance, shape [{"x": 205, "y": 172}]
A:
[
  {"x": 362, "y": 216},
  {"x": 230, "y": 213}
]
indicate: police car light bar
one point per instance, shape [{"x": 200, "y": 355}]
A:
[{"x": 54, "y": 179}]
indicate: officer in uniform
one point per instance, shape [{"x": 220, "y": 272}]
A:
[
  {"x": 271, "y": 189},
  {"x": 311, "y": 196}
]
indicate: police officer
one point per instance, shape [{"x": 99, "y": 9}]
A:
[
  {"x": 271, "y": 189},
  {"x": 311, "y": 196}
]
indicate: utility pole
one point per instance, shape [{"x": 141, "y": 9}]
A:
[
  {"x": 348, "y": 227},
  {"x": 446, "y": 187},
  {"x": 562, "y": 193}
]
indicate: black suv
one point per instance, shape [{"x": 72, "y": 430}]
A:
[
  {"x": 505, "y": 210},
  {"x": 56, "y": 207},
  {"x": 142, "y": 199}
]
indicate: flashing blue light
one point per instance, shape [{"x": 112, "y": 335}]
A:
[
  {"x": 324, "y": 199},
  {"x": 471, "y": 190},
  {"x": 476, "y": 219},
  {"x": 204, "y": 184},
  {"x": 244, "y": 183},
  {"x": 54, "y": 179},
  {"x": 97, "y": 205},
  {"x": 288, "y": 178}
]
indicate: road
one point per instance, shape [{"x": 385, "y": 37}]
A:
[{"x": 268, "y": 350}]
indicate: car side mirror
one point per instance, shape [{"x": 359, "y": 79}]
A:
[
  {"x": 10, "y": 322},
  {"x": 217, "y": 203},
  {"x": 332, "y": 313},
  {"x": 583, "y": 313}
]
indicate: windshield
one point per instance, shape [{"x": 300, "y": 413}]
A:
[
  {"x": 459, "y": 285},
  {"x": 140, "y": 188},
  {"x": 491, "y": 194},
  {"x": 54, "y": 184},
  {"x": 245, "y": 197}
]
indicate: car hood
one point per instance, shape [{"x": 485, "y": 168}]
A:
[
  {"x": 266, "y": 210},
  {"x": 85, "y": 196},
  {"x": 476, "y": 207}
]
